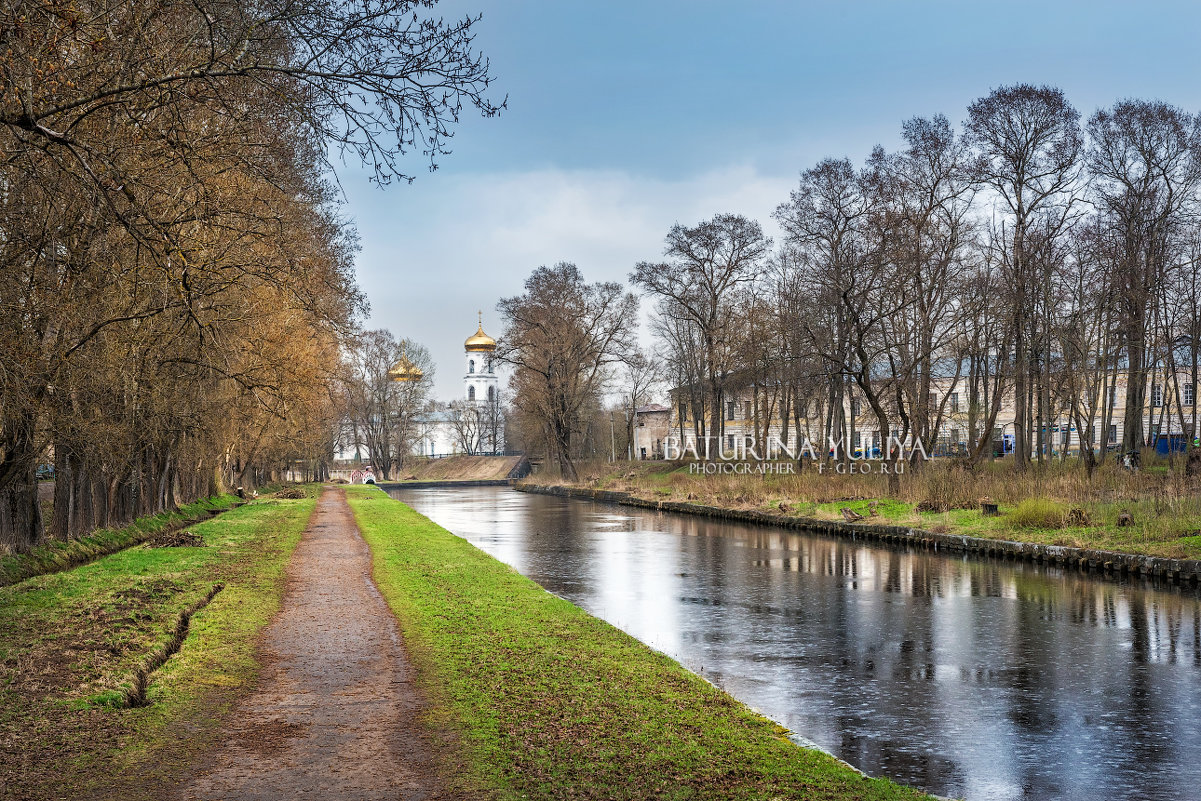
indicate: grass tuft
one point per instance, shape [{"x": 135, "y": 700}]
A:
[{"x": 1038, "y": 513}]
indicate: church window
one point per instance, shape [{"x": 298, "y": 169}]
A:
[
  {"x": 491, "y": 394},
  {"x": 471, "y": 393},
  {"x": 471, "y": 366}
]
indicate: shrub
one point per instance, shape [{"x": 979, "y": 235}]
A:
[{"x": 1038, "y": 513}]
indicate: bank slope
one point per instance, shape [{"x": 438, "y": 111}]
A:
[{"x": 547, "y": 701}]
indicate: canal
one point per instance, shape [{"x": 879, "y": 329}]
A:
[{"x": 968, "y": 678}]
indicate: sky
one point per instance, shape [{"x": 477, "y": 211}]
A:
[{"x": 625, "y": 118}]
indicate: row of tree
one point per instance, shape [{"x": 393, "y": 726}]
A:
[
  {"x": 1028, "y": 262},
  {"x": 175, "y": 280}
]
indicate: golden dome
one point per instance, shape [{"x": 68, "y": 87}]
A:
[
  {"x": 405, "y": 370},
  {"x": 479, "y": 341}
]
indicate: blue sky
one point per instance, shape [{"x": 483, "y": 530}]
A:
[{"x": 627, "y": 117}]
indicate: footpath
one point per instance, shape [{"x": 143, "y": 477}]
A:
[{"x": 334, "y": 714}]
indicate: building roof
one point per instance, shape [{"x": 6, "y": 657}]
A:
[
  {"x": 651, "y": 407},
  {"x": 479, "y": 341}
]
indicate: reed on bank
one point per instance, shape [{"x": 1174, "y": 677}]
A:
[{"x": 1155, "y": 511}]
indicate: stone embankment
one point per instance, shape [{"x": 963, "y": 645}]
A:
[{"x": 1110, "y": 564}]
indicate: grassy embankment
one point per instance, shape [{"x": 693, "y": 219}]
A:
[
  {"x": 71, "y": 642},
  {"x": 457, "y": 468},
  {"x": 547, "y": 701},
  {"x": 1036, "y": 507},
  {"x": 62, "y": 554}
]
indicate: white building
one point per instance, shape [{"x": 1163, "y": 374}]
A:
[{"x": 475, "y": 423}]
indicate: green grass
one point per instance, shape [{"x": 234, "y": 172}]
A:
[
  {"x": 70, "y": 642},
  {"x": 62, "y": 554},
  {"x": 890, "y": 511},
  {"x": 546, "y": 701}
]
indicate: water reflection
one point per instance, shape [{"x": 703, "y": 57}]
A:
[{"x": 969, "y": 678}]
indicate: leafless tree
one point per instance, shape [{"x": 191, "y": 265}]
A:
[
  {"x": 1144, "y": 161},
  {"x": 707, "y": 263},
  {"x": 562, "y": 336},
  {"x": 1029, "y": 143}
]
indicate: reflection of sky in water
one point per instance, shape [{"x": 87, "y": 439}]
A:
[{"x": 968, "y": 678}]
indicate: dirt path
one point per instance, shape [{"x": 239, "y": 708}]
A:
[{"x": 333, "y": 715}]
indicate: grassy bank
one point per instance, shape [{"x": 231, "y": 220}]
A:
[
  {"x": 457, "y": 468},
  {"x": 71, "y": 642},
  {"x": 1052, "y": 505},
  {"x": 549, "y": 702},
  {"x": 62, "y": 554}
]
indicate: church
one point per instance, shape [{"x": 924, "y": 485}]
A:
[{"x": 474, "y": 423}]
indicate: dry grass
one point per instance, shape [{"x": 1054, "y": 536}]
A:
[
  {"x": 1038, "y": 513},
  {"x": 1164, "y": 503}
]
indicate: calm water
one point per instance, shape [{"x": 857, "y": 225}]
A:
[{"x": 967, "y": 678}]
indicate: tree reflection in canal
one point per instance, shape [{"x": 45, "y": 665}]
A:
[{"x": 966, "y": 677}]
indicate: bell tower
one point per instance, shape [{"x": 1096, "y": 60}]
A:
[{"x": 480, "y": 383}]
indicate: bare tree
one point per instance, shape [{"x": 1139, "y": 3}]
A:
[
  {"x": 1144, "y": 158},
  {"x": 384, "y": 411},
  {"x": 561, "y": 336},
  {"x": 467, "y": 422},
  {"x": 640, "y": 376},
  {"x": 706, "y": 264},
  {"x": 1029, "y": 144}
]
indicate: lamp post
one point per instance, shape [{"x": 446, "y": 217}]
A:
[{"x": 612, "y": 439}]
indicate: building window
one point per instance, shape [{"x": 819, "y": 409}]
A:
[
  {"x": 471, "y": 366},
  {"x": 489, "y": 364},
  {"x": 954, "y": 404},
  {"x": 858, "y": 440},
  {"x": 746, "y": 410},
  {"x": 471, "y": 393},
  {"x": 1113, "y": 432},
  {"x": 730, "y": 441},
  {"x": 730, "y": 412},
  {"x": 1156, "y": 395},
  {"x": 1113, "y": 396},
  {"x": 854, "y": 407},
  {"x": 491, "y": 394},
  {"x": 1187, "y": 395}
]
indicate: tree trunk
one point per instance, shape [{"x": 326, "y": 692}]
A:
[{"x": 20, "y": 512}]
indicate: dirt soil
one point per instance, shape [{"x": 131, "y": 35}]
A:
[
  {"x": 334, "y": 714},
  {"x": 458, "y": 468}
]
